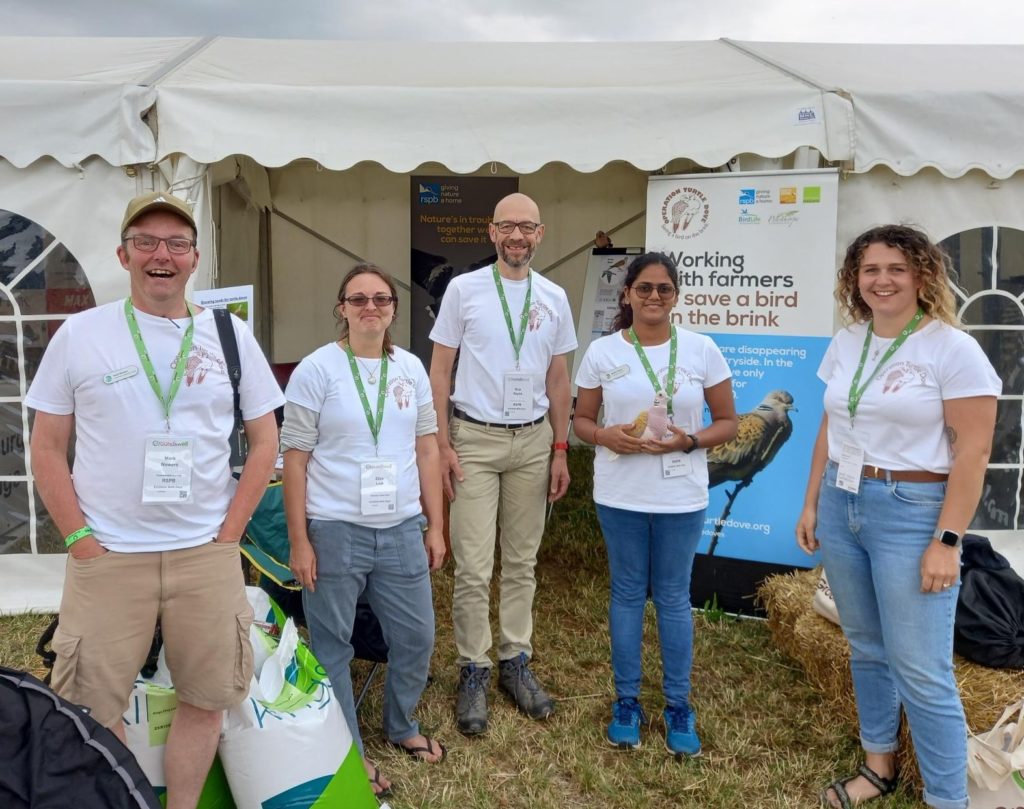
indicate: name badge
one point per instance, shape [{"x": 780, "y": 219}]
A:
[
  {"x": 517, "y": 402},
  {"x": 676, "y": 465},
  {"x": 851, "y": 467},
  {"x": 167, "y": 471},
  {"x": 378, "y": 487},
  {"x": 615, "y": 373},
  {"x": 118, "y": 375}
]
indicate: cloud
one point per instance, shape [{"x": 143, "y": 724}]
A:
[{"x": 525, "y": 20}]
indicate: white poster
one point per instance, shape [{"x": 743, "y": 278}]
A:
[
  {"x": 602, "y": 289},
  {"x": 756, "y": 260},
  {"x": 237, "y": 300}
]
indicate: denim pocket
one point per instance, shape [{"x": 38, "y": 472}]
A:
[
  {"x": 919, "y": 494},
  {"x": 412, "y": 555}
]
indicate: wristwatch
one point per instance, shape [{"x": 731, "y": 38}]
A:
[
  {"x": 947, "y": 537},
  {"x": 694, "y": 445}
]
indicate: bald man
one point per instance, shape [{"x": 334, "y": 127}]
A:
[{"x": 503, "y": 450}]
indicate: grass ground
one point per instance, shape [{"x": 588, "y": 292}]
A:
[{"x": 769, "y": 741}]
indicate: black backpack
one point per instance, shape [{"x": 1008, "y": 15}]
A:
[
  {"x": 54, "y": 755},
  {"x": 989, "y": 626}
]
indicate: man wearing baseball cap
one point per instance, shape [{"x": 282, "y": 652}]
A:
[{"x": 151, "y": 515}]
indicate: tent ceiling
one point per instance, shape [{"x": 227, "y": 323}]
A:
[
  {"x": 70, "y": 98},
  {"x": 468, "y": 104},
  {"x": 952, "y": 107},
  {"x": 524, "y": 105}
]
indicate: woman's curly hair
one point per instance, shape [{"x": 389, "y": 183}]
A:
[{"x": 928, "y": 262}]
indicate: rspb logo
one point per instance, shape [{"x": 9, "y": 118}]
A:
[
  {"x": 747, "y": 196},
  {"x": 430, "y": 193}
]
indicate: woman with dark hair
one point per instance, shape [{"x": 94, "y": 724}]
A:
[
  {"x": 651, "y": 483},
  {"x": 359, "y": 451},
  {"x": 896, "y": 475}
]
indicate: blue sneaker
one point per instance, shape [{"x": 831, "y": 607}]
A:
[
  {"x": 624, "y": 729},
  {"x": 681, "y": 731}
]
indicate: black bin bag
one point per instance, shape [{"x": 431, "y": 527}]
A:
[{"x": 989, "y": 626}]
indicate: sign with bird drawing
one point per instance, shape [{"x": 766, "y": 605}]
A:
[{"x": 756, "y": 266}]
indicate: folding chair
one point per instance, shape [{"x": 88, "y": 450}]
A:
[{"x": 265, "y": 546}]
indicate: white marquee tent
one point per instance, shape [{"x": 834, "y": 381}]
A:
[{"x": 298, "y": 156}]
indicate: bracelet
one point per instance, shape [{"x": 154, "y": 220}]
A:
[
  {"x": 694, "y": 445},
  {"x": 74, "y": 536},
  {"x": 560, "y": 445}
]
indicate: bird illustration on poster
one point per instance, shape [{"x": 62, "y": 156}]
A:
[{"x": 759, "y": 437}]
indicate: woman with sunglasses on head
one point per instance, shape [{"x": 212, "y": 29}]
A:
[
  {"x": 360, "y": 457},
  {"x": 651, "y": 483},
  {"x": 896, "y": 475}
]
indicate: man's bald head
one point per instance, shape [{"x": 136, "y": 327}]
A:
[{"x": 516, "y": 208}]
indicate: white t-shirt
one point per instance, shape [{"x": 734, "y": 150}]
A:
[
  {"x": 323, "y": 382},
  {"x": 899, "y": 421},
  {"x": 471, "y": 318},
  {"x": 635, "y": 482},
  {"x": 113, "y": 419}
]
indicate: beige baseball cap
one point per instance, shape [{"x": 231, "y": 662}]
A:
[{"x": 157, "y": 201}]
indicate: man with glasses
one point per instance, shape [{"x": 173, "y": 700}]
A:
[
  {"x": 503, "y": 450},
  {"x": 152, "y": 516}
]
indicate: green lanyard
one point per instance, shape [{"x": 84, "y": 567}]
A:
[
  {"x": 855, "y": 392},
  {"x": 382, "y": 391},
  {"x": 147, "y": 363},
  {"x": 671, "y": 378},
  {"x": 517, "y": 342}
]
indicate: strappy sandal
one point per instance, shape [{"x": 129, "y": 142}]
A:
[
  {"x": 428, "y": 749},
  {"x": 380, "y": 791},
  {"x": 885, "y": 786}
]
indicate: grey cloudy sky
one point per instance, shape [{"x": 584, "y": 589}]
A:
[{"x": 977, "y": 21}]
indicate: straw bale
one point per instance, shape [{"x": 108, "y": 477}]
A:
[{"x": 821, "y": 649}]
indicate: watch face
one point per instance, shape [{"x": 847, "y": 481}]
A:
[{"x": 950, "y": 538}]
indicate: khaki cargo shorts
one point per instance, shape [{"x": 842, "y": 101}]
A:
[{"x": 110, "y": 607}]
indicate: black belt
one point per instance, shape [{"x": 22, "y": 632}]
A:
[{"x": 461, "y": 414}]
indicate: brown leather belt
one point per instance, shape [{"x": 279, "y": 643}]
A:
[
  {"x": 462, "y": 414},
  {"x": 906, "y": 475}
]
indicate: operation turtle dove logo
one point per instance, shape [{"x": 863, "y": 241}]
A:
[{"x": 685, "y": 212}]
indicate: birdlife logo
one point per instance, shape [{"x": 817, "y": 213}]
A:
[
  {"x": 685, "y": 212},
  {"x": 748, "y": 218},
  {"x": 430, "y": 193}
]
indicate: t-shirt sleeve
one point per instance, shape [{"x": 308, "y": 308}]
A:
[
  {"x": 449, "y": 326},
  {"x": 423, "y": 393},
  {"x": 828, "y": 362},
  {"x": 565, "y": 339},
  {"x": 965, "y": 371},
  {"x": 51, "y": 390},
  {"x": 587, "y": 375},
  {"x": 716, "y": 369},
  {"x": 307, "y": 386},
  {"x": 258, "y": 389}
]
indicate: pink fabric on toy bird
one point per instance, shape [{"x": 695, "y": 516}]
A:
[{"x": 651, "y": 424}]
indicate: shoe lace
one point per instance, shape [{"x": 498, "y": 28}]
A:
[
  {"x": 525, "y": 676},
  {"x": 474, "y": 678},
  {"x": 625, "y": 710},
  {"x": 678, "y": 718}
]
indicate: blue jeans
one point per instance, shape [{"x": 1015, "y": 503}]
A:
[
  {"x": 901, "y": 640},
  {"x": 651, "y": 553},
  {"x": 391, "y": 565}
]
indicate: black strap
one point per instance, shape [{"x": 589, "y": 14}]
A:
[{"x": 229, "y": 346}]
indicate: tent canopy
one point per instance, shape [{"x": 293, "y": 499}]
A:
[{"x": 464, "y": 105}]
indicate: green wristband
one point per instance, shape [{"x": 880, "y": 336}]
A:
[{"x": 74, "y": 536}]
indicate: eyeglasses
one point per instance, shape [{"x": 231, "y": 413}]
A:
[
  {"x": 149, "y": 244},
  {"x": 380, "y": 300},
  {"x": 526, "y": 228},
  {"x": 645, "y": 290}
]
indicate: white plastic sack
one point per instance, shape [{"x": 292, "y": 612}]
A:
[{"x": 287, "y": 746}]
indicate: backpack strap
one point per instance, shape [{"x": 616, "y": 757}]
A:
[{"x": 229, "y": 345}]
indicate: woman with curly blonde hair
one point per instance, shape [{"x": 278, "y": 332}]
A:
[{"x": 896, "y": 475}]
